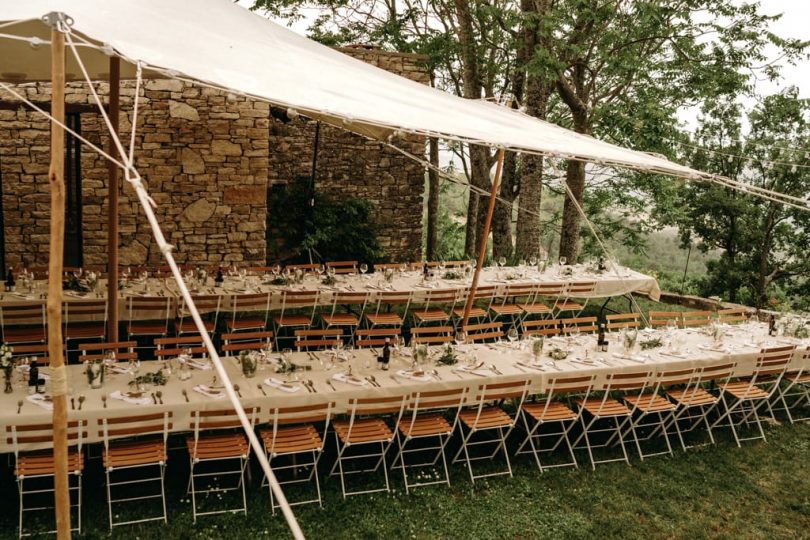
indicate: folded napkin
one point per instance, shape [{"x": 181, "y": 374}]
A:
[
  {"x": 281, "y": 385},
  {"x": 206, "y": 390},
  {"x": 135, "y": 400},
  {"x": 46, "y": 402},
  {"x": 350, "y": 379},
  {"x": 412, "y": 375},
  {"x": 116, "y": 368},
  {"x": 198, "y": 364},
  {"x": 638, "y": 359},
  {"x": 530, "y": 366},
  {"x": 24, "y": 296},
  {"x": 476, "y": 370},
  {"x": 725, "y": 350}
]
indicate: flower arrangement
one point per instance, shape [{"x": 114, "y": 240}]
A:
[
  {"x": 630, "y": 338},
  {"x": 283, "y": 365},
  {"x": 158, "y": 378},
  {"x": 329, "y": 279},
  {"x": 451, "y": 275},
  {"x": 6, "y": 360},
  {"x": 279, "y": 280},
  {"x": 537, "y": 346},
  {"x": 201, "y": 275},
  {"x": 420, "y": 353},
  {"x": 653, "y": 343},
  {"x": 248, "y": 360},
  {"x": 94, "y": 369},
  {"x": 558, "y": 354},
  {"x": 448, "y": 357}
]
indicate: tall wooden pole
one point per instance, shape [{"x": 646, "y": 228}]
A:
[
  {"x": 112, "y": 208},
  {"x": 482, "y": 246},
  {"x": 56, "y": 179}
]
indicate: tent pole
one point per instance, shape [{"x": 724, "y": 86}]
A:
[
  {"x": 112, "y": 204},
  {"x": 482, "y": 246},
  {"x": 55, "y": 266}
]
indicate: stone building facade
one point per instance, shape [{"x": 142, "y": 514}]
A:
[{"x": 208, "y": 158}]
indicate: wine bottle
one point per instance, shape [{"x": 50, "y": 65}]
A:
[
  {"x": 386, "y": 353},
  {"x": 220, "y": 279},
  {"x": 33, "y": 377},
  {"x": 10, "y": 284}
]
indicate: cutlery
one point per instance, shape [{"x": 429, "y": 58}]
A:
[
  {"x": 104, "y": 400},
  {"x": 159, "y": 395},
  {"x": 520, "y": 368},
  {"x": 154, "y": 398},
  {"x": 81, "y": 401},
  {"x": 312, "y": 385},
  {"x": 72, "y": 403},
  {"x": 494, "y": 369},
  {"x": 393, "y": 378},
  {"x": 309, "y": 390},
  {"x": 261, "y": 388},
  {"x": 332, "y": 386},
  {"x": 435, "y": 373},
  {"x": 373, "y": 380},
  {"x": 185, "y": 394},
  {"x": 19, "y": 406},
  {"x": 236, "y": 389}
]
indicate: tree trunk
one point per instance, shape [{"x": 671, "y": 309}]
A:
[
  {"x": 479, "y": 170},
  {"x": 472, "y": 220},
  {"x": 502, "y": 215},
  {"x": 571, "y": 219},
  {"x": 433, "y": 199},
  {"x": 764, "y": 251}
]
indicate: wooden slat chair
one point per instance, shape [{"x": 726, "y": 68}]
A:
[
  {"x": 166, "y": 348},
  {"x": 345, "y": 319},
  {"x": 579, "y": 290},
  {"x": 39, "y": 467},
  {"x": 375, "y": 337},
  {"x": 208, "y": 306},
  {"x": 438, "y": 306},
  {"x": 424, "y": 430},
  {"x": 343, "y": 267},
  {"x": 732, "y": 315},
  {"x": 122, "y": 350},
  {"x": 550, "y": 419},
  {"x": 297, "y": 311},
  {"x": 541, "y": 327},
  {"x": 617, "y": 321},
  {"x": 84, "y": 320},
  {"x": 248, "y": 313},
  {"x": 584, "y": 325},
  {"x": 396, "y": 266},
  {"x": 218, "y": 450},
  {"x": 608, "y": 410},
  {"x": 483, "y": 296},
  {"x": 260, "y": 270},
  {"x": 544, "y": 294},
  {"x": 695, "y": 402},
  {"x": 23, "y": 322},
  {"x": 447, "y": 264},
  {"x": 148, "y": 315},
  {"x": 365, "y": 436},
  {"x": 309, "y": 268},
  {"x": 36, "y": 351},
  {"x": 691, "y": 319},
  {"x": 653, "y": 412},
  {"x": 793, "y": 395},
  {"x": 383, "y": 314},
  {"x": 475, "y": 333},
  {"x": 247, "y": 341},
  {"x": 296, "y": 437},
  {"x": 508, "y": 306},
  {"x": 486, "y": 424},
  {"x": 658, "y": 319},
  {"x": 138, "y": 458},
  {"x": 741, "y": 400},
  {"x": 431, "y": 335},
  {"x": 322, "y": 338}
]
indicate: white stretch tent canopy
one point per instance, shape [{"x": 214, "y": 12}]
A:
[{"x": 227, "y": 46}]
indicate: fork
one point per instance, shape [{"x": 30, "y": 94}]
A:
[
  {"x": 312, "y": 385},
  {"x": 261, "y": 388},
  {"x": 185, "y": 394},
  {"x": 236, "y": 389}
]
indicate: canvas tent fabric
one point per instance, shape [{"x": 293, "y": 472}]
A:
[{"x": 224, "y": 45}]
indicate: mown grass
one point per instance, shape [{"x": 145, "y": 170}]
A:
[{"x": 757, "y": 491}]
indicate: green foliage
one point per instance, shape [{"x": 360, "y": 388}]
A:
[{"x": 337, "y": 229}]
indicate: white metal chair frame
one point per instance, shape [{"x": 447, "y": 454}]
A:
[
  {"x": 297, "y": 311},
  {"x": 347, "y": 320},
  {"x": 159, "y": 307},
  {"x": 254, "y": 305},
  {"x": 16, "y": 320},
  {"x": 88, "y": 329},
  {"x": 509, "y": 305},
  {"x": 388, "y": 298},
  {"x": 566, "y": 301},
  {"x": 437, "y": 307},
  {"x": 425, "y": 420},
  {"x": 794, "y": 392},
  {"x": 208, "y": 305}
]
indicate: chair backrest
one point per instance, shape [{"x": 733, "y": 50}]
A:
[
  {"x": 449, "y": 402},
  {"x": 342, "y": 298},
  {"x": 135, "y": 425},
  {"x": 375, "y": 337},
  {"x": 487, "y": 393},
  {"x": 79, "y": 311},
  {"x": 377, "y": 406},
  {"x": 541, "y": 327},
  {"x": 291, "y": 300},
  {"x": 431, "y": 334},
  {"x": 773, "y": 362},
  {"x": 696, "y": 318},
  {"x": 393, "y": 266},
  {"x": 205, "y": 303},
  {"x": 38, "y": 351},
  {"x": 318, "y": 338},
  {"x": 280, "y": 417},
  {"x": 580, "y": 288},
  {"x": 306, "y": 268},
  {"x": 717, "y": 374},
  {"x": 551, "y": 289},
  {"x": 444, "y": 297},
  {"x": 343, "y": 267},
  {"x": 581, "y": 324},
  {"x": 153, "y": 308},
  {"x": 23, "y": 314},
  {"x": 255, "y": 303},
  {"x": 487, "y": 292},
  {"x": 18, "y": 436},
  {"x": 218, "y": 419},
  {"x": 481, "y": 332},
  {"x": 626, "y": 381},
  {"x": 260, "y": 270},
  {"x": 617, "y": 321},
  {"x": 732, "y": 315},
  {"x": 175, "y": 346},
  {"x": 566, "y": 385},
  {"x": 516, "y": 292},
  {"x": 243, "y": 341},
  {"x": 124, "y": 350},
  {"x": 661, "y": 318}
]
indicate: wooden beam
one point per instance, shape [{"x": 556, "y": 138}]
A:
[
  {"x": 112, "y": 205},
  {"x": 71, "y": 108}
]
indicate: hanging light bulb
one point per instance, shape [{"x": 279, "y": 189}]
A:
[{"x": 292, "y": 114}]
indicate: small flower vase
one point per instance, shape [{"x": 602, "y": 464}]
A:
[
  {"x": 248, "y": 362},
  {"x": 420, "y": 355},
  {"x": 95, "y": 374},
  {"x": 8, "y": 389},
  {"x": 537, "y": 348}
]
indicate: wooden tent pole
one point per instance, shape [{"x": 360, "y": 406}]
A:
[
  {"x": 482, "y": 246},
  {"x": 56, "y": 179},
  {"x": 112, "y": 205}
]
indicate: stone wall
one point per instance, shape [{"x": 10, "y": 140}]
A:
[{"x": 207, "y": 157}]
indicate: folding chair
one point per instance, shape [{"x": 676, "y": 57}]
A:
[
  {"x": 585, "y": 325},
  {"x": 375, "y": 337},
  {"x": 148, "y": 315},
  {"x": 489, "y": 424},
  {"x": 366, "y": 427},
  {"x": 346, "y": 319},
  {"x": 732, "y": 315},
  {"x": 208, "y": 306},
  {"x": 541, "y": 327},
  {"x": 575, "y": 289},
  {"x": 23, "y": 322},
  {"x": 220, "y": 453},
  {"x": 694, "y": 402},
  {"x": 794, "y": 394},
  {"x": 437, "y": 307},
  {"x": 35, "y": 470},
  {"x": 484, "y": 295},
  {"x": 123, "y": 350},
  {"x": 310, "y": 268},
  {"x": 383, "y": 314},
  {"x": 657, "y": 319},
  {"x": 691, "y": 319},
  {"x": 425, "y": 428},
  {"x": 508, "y": 305},
  {"x": 431, "y": 335},
  {"x": 297, "y": 311},
  {"x": 294, "y": 434},
  {"x": 244, "y": 341},
  {"x": 544, "y": 293},
  {"x": 84, "y": 320},
  {"x": 166, "y": 348},
  {"x": 343, "y": 267},
  {"x": 324, "y": 338},
  {"x": 474, "y": 333},
  {"x": 607, "y": 409},
  {"x": 248, "y": 312},
  {"x": 552, "y": 412},
  {"x": 37, "y": 351},
  {"x": 139, "y": 461},
  {"x": 617, "y": 321},
  {"x": 750, "y": 394}
]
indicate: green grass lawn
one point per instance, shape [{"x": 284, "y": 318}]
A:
[{"x": 757, "y": 491}]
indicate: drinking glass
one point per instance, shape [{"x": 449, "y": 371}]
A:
[
  {"x": 502, "y": 261},
  {"x": 563, "y": 261},
  {"x": 533, "y": 260},
  {"x": 363, "y": 268},
  {"x": 512, "y": 335}
]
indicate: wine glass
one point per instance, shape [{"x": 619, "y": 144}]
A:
[
  {"x": 363, "y": 268},
  {"x": 512, "y": 335},
  {"x": 563, "y": 261},
  {"x": 501, "y": 261},
  {"x": 533, "y": 260}
]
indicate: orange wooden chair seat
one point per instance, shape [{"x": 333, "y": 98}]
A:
[
  {"x": 537, "y": 308},
  {"x": 245, "y": 323},
  {"x": 555, "y": 412},
  {"x": 424, "y": 425},
  {"x": 744, "y": 390},
  {"x": 228, "y": 445},
  {"x": 650, "y": 403},
  {"x": 692, "y": 397},
  {"x": 291, "y": 440},
  {"x": 569, "y": 306},
  {"x": 507, "y": 309},
  {"x": 134, "y": 453},
  {"x": 609, "y": 407},
  {"x": 292, "y": 320},
  {"x": 42, "y": 463},
  {"x": 340, "y": 319},
  {"x": 431, "y": 315},
  {"x": 384, "y": 318},
  {"x": 491, "y": 417},
  {"x": 363, "y": 431},
  {"x": 475, "y": 312}
]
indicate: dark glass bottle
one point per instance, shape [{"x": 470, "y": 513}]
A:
[
  {"x": 219, "y": 279},
  {"x": 386, "y": 353},
  {"x": 600, "y": 340},
  {"x": 33, "y": 378},
  {"x": 10, "y": 284},
  {"x": 772, "y": 325}
]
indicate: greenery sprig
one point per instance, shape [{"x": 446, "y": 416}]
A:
[{"x": 158, "y": 378}]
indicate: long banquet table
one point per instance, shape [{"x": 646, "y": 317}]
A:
[
  {"x": 741, "y": 346},
  {"x": 608, "y": 283}
]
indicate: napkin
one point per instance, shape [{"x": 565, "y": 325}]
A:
[
  {"x": 124, "y": 396},
  {"x": 281, "y": 385},
  {"x": 638, "y": 359},
  {"x": 198, "y": 364},
  {"x": 477, "y": 370},
  {"x": 350, "y": 379},
  {"x": 408, "y": 374},
  {"x": 41, "y": 400},
  {"x": 725, "y": 350},
  {"x": 205, "y": 390},
  {"x": 530, "y": 366}
]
